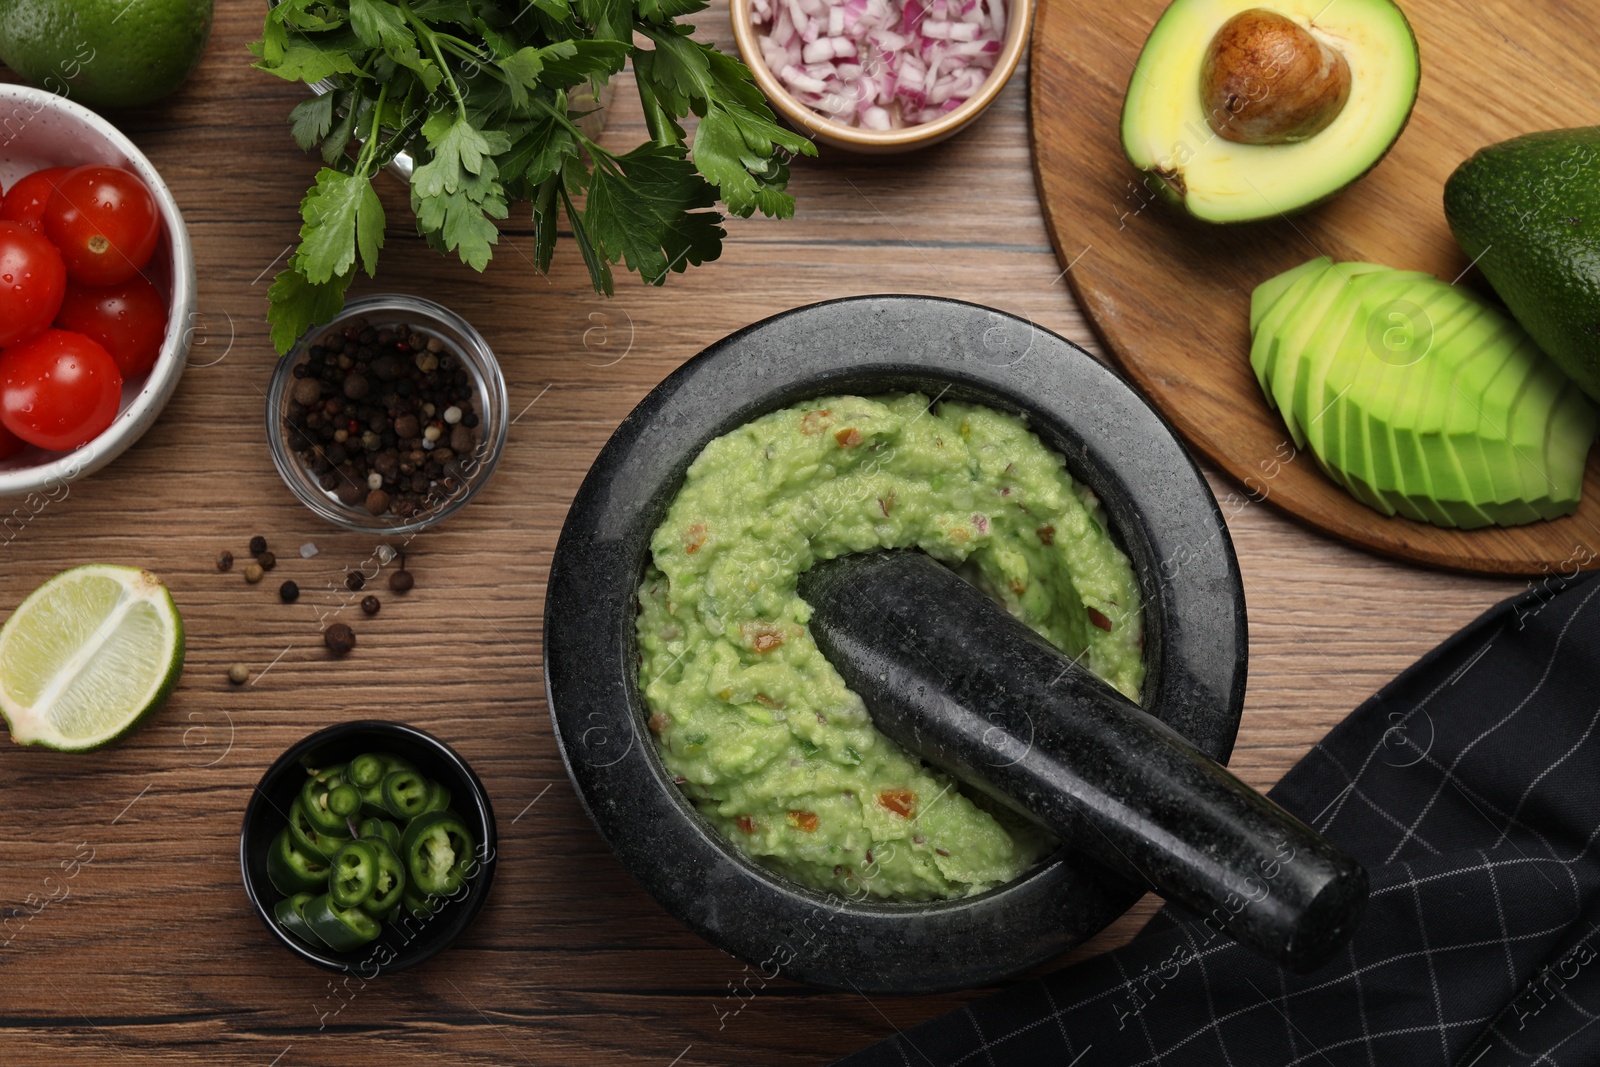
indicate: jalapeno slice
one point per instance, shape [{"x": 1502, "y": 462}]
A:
[
  {"x": 308, "y": 839},
  {"x": 365, "y": 770},
  {"x": 418, "y": 905},
  {"x": 290, "y": 913},
  {"x": 342, "y": 929},
  {"x": 405, "y": 794},
  {"x": 291, "y": 870},
  {"x": 389, "y": 884},
  {"x": 438, "y": 797},
  {"x": 355, "y": 874},
  {"x": 344, "y": 800},
  {"x": 436, "y": 848},
  {"x": 382, "y": 829},
  {"x": 314, "y": 796}
]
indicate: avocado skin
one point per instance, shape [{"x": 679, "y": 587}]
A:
[{"x": 1527, "y": 211}]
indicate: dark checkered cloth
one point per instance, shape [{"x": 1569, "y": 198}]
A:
[{"x": 1470, "y": 788}]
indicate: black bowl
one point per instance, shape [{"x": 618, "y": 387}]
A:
[
  {"x": 1161, "y": 512},
  {"x": 409, "y": 941}
]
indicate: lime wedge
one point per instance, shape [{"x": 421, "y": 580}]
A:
[{"x": 88, "y": 655}]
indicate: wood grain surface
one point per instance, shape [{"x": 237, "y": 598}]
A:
[
  {"x": 153, "y": 955},
  {"x": 1171, "y": 296}
]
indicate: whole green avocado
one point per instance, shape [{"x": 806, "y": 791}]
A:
[
  {"x": 1527, "y": 211},
  {"x": 105, "y": 53}
]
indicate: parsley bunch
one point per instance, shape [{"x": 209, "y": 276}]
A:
[{"x": 477, "y": 91}]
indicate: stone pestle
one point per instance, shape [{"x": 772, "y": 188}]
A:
[{"x": 951, "y": 676}]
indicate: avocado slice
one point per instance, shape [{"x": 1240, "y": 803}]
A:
[
  {"x": 1298, "y": 334},
  {"x": 1527, "y": 211},
  {"x": 1265, "y": 296},
  {"x": 1322, "y": 341},
  {"x": 1248, "y": 109},
  {"x": 1420, "y": 398},
  {"x": 1394, "y": 327},
  {"x": 1276, "y": 303}
]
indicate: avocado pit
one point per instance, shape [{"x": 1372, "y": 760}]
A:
[{"x": 1266, "y": 79}]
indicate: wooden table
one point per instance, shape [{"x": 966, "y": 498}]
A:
[{"x": 154, "y": 955}]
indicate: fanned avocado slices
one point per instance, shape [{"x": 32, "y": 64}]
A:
[{"x": 1418, "y": 397}]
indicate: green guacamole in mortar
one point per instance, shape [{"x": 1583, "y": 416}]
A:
[{"x": 755, "y": 724}]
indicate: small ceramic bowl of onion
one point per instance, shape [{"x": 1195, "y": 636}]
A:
[{"x": 881, "y": 76}]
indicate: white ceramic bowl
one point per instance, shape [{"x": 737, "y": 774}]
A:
[{"x": 39, "y": 129}]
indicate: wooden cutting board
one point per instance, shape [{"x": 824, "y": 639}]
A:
[{"x": 1170, "y": 297}]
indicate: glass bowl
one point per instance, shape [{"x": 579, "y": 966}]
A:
[{"x": 462, "y": 476}]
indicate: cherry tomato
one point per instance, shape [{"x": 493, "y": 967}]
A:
[
  {"x": 32, "y": 283},
  {"x": 10, "y": 443},
  {"x": 24, "y": 202},
  {"x": 59, "y": 390},
  {"x": 128, "y": 320},
  {"x": 105, "y": 223}
]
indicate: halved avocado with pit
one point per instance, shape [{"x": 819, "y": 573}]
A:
[{"x": 1241, "y": 110}]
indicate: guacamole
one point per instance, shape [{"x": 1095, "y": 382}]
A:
[{"x": 753, "y": 722}]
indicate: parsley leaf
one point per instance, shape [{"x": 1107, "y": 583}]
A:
[
  {"x": 296, "y": 304},
  {"x": 311, "y": 120},
  {"x": 342, "y": 216},
  {"x": 738, "y": 143},
  {"x": 642, "y": 209},
  {"x": 380, "y": 25}
]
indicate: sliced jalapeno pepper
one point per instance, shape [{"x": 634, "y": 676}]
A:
[
  {"x": 342, "y": 929},
  {"x": 383, "y": 829},
  {"x": 314, "y": 795},
  {"x": 308, "y": 839},
  {"x": 290, "y": 913},
  {"x": 344, "y": 800},
  {"x": 416, "y": 904},
  {"x": 355, "y": 874},
  {"x": 365, "y": 770},
  {"x": 372, "y": 795},
  {"x": 291, "y": 870},
  {"x": 389, "y": 884},
  {"x": 405, "y": 794},
  {"x": 438, "y": 797},
  {"x": 436, "y": 848}
]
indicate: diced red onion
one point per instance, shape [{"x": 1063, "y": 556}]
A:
[{"x": 880, "y": 64}]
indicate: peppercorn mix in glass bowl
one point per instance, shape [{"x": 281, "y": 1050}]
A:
[{"x": 390, "y": 418}]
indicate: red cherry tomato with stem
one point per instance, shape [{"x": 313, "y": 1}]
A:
[
  {"x": 32, "y": 282},
  {"x": 59, "y": 390},
  {"x": 105, "y": 222},
  {"x": 25, "y": 201},
  {"x": 128, "y": 320}
]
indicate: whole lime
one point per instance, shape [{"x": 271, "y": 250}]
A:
[{"x": 105, "y": 53}]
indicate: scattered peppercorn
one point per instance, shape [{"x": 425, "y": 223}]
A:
[
  {"x": 258, "y": 545},
  {"x": 253, "y": 573},
  {"x": 339, "y": 638},
  {"x": 267, "y": 560},
  {"x": 224, "y": 560},
  {"x": 401, "y": 581},
  {"x": 371, "y": 604},
  {"x": 238, "y": 674},
  {"x": 384, "y": 418},
  {"x": 289, "y": 591},
  {"x": 354, "y": 581}
]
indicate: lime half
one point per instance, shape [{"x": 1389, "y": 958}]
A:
[{"x": 88, "y": 655}]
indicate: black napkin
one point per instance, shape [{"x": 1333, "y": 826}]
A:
[{"x": 1470, "y": 789}]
